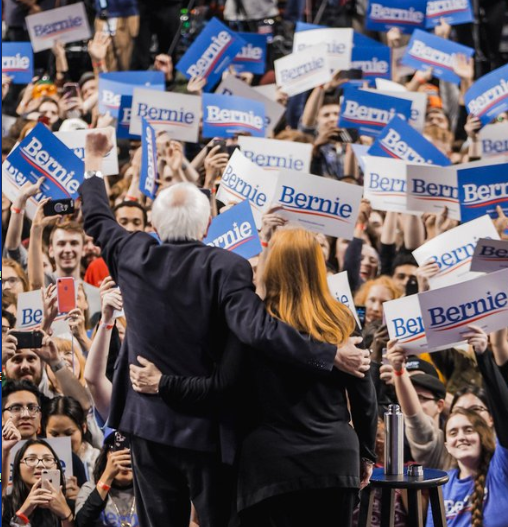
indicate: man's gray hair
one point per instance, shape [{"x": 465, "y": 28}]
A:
[{"x": 181, "y": 212}]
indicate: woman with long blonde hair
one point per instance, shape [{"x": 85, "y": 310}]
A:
[{"x": 301, "y": 463}]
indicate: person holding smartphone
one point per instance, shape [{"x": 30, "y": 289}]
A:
[{"x": 34, "y": 502}]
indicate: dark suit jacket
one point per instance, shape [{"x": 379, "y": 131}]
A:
[{"x": 180, "y": 300}]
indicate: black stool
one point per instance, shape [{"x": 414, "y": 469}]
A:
[{"x": 431, "y": 480}]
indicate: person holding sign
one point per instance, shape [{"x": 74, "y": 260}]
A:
[
  {"x": 301, "y": 464},
  {"x": 476, "y": 491},
  {"x": 200, "y": 293}
]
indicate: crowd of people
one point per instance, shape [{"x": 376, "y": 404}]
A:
[{"x": 197, "y": 387}]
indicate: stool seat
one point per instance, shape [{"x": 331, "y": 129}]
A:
[{"x": 432, "y": 480}]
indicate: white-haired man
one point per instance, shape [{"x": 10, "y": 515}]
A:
[{"x": 181, "y": 299}]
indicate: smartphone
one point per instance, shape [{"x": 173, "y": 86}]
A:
[
  {"x": 53, "y": 476},
  {"x": 65, "y": 294},
  {"x": 70, "y": 90},
  {"x": 221, "y": 143},
  {"x": 28, "y": 339},
  {"x": 412, "y": 286},
  {"x": 360, "y": 311},
  {"x": 120, "y": 442},
  {"x": 353, "y": 74},
  {"x": 347, "y": 135},
  {"x": 59, "y": 206}
]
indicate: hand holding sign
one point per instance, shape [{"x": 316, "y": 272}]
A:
[
  {"x": 196, "y": 85},
  {"x": 477, "y": 338},
  {"x": 501, "y": 222},
  {"x": 270, "y": 222},
  {"x": 396, "y": 355}
]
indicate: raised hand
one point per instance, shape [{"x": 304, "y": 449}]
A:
[
  {"x": 98, "y": 46},
  {"x": 477, "y": 338},
  {"x": 270, "y": 222},
  {"x": 196, "y": 85}
]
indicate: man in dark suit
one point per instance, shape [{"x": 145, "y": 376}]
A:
[{"x": 181, "y": 299}]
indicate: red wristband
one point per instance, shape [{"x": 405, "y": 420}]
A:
[
  {"x": 130, "y": 198},
  {"x": 361, "y": 226},
  {"x": 264, "y": 244},
  {"x": 106, "y": 326},
  {"x": 15, "y": 210},
  {"x": 23, "y": 517},
  {"x": 103, "y": 486},
  {"x": 98, "y": 64},
  {"x": 400, "y": 372}
]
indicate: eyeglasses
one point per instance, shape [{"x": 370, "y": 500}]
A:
[
  {"x": 423, "y": 399},
  {"x": 12, "y": 281},
  {"x": 32, "y": 462},
  {"x": 18, "y": 409}
]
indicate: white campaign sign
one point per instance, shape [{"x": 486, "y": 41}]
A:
[
  {"x": 242, "y": 179},
  {"x": 453, "y": 251},
  {"x": 302, "y": 71},
  {"x": 317, "y": 203},
  {"x": 385, "y": 184},
  {"x": 29, "y": 314},
  {"x": 404, "y": 322},
  {"x": 76, "y": 141},
  {"x": 338, "y": 41},
  {"x": 494, "y": 140},
  {"x": 233, "y": 86},
  {"x": 62, "y": 447},
  {"x": 490, "y": 256},
  {"x": 66, "y": 24},
  {"x": 267, "y": 90},
  {"x": 341, "y": 291},
  {"x": 175, "y": 113},
  {"x": 431, "y": 188},
  {"x": 272, "y": 154},
  {"x": 448, "y": 311},
  {"x": 418, "y": 104}
]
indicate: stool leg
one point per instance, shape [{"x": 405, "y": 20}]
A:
[
  {"x": 388, "y": 507},
  {"x": 366, "y": 501},
  {"x": 415, "y": 512},
  {"x": 437, "y": 505}
]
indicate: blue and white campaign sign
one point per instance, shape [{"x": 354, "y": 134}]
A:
[
  {"x": 244, "y": 180},
  {"x": 211, "y": 53},
  {"x": 494, "y": 140},
  {"x": 374, "y": 61},
  {"x": 252, "y": 56},
  {"x": 400, "y": 140},
  {"x": 42, "y": 154},
  {"x": 117, "y": 83},
  {"x": 18, "y": 61},
  {"x": 338, "y": 42},
  {"x": 123, "y": 121},
  {"x": 231, "y": 85},
  {"x": 429, "y": 51},
  {"x": 148, "y": 175},
  {"x": 404, "y": 322},
  {"x": 175, "y": 113},
  {"x": 385, "y": 184},
  {"x": 418, "y": 102},
  {"x": 452, "y": 251},
  {"x": 447, "y": 312},
  {"x": 7, "y": 123},
  {"x": 235, "y": 230},
  {"x": 454, "y": 12},
  {"x": 385, "y": 14},
  {"x": 272, "y": 154},
  {"x": 431, "y": 188},
  {"x": 369, "y": 112},
  {"x": 302, "y": 71},
  {"x": 490, "y": 256},
  {"x": 226, "y": 116},
  {"x": 482, "y": 189},
  {"x": 66, "y": 24},
  {"x": 30, "y": 310},
  {"x": 339, "y": 287},
  {"x": 75, "y": 140},
  {"x": 317, "y": 203},
  {"x": 488, "y": 96},
  {"x": 362, "y": 41}
]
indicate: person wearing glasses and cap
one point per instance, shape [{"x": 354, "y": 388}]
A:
[{"x": 33, "y": 502}]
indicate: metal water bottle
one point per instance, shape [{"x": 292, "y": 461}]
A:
[{"x": 394, "y": 441}]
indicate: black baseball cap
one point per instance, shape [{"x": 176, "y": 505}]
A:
[{"x": 429, "y": 382}]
